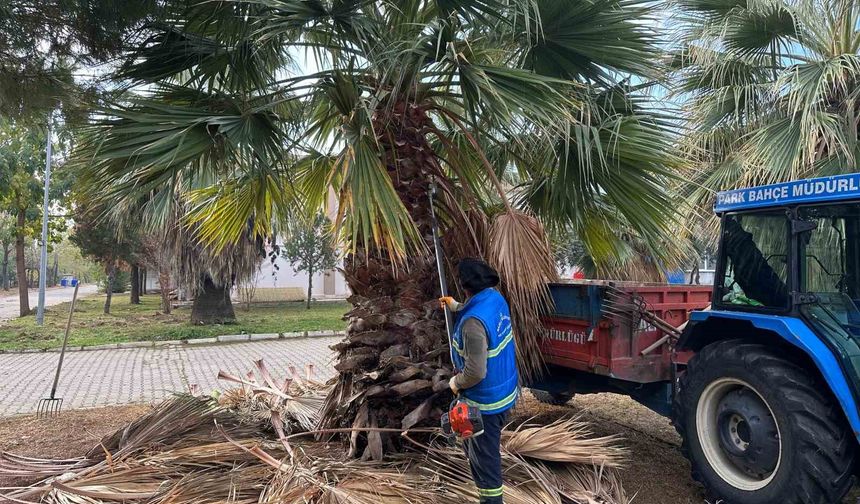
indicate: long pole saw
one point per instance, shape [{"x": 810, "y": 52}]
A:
[{"x": 440, "y": 266}]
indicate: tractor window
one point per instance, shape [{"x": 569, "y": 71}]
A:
[
  {"x": 756, "y": 248},
  {"x": 830, "y": 250},
  {"x": 830, "y": 260}
]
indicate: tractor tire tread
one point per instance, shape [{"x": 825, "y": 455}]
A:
[{"x": 824, "y": 437}]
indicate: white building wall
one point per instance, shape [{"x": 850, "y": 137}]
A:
[{"x": 279, "y": 275}]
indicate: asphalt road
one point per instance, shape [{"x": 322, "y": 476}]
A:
[{"x": 53, "y": 296}]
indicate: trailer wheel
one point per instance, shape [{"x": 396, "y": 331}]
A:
[
  {"x": 758, "y": 429},
  {"x": 553, "y": 398}
]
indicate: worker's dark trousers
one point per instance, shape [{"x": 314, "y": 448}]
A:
[{"x": 486, "y": 460}]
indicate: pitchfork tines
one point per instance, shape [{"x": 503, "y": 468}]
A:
[{"x": 51, "y": 406}]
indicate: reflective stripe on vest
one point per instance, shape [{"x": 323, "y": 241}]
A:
[
  {"x": 507, "y": 401},
  {"x": 490, "y": 353}
]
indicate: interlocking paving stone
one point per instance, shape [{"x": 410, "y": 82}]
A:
[{"x": 133, "y": 375}]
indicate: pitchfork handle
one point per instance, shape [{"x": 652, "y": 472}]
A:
[{"x": 65, "y": 341}]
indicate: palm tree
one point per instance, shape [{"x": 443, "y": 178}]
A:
[
  {"x": 771, "y": 89},
  {"x": 512, "y": 108}
]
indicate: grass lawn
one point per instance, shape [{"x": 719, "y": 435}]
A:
[{"x": 145, "y": 322}]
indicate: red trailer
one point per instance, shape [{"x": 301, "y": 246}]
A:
[{"x": 596, "y": 341}]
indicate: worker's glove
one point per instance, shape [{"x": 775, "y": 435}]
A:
[
  {"x": 450, "y": 302},
  {"x": 452, "y": 383}
]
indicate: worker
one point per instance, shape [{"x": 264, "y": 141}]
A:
[{"x": 486, "y": 370}]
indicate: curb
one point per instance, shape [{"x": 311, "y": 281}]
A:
[{"x": 197, "y": 342}]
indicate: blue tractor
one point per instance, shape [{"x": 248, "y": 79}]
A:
[{"x": 768, "y": 405}]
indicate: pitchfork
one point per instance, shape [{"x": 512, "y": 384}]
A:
[{"x": 52, "y": 405}]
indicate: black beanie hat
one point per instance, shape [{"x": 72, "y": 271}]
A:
[{"x": 476, "y": 275}]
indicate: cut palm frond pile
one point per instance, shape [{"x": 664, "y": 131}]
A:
[
  {"x": 206, "y": 450},
  {"x": 294, "y": 403}
]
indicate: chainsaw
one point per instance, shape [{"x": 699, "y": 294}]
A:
[{"x": 462, "y": 421}]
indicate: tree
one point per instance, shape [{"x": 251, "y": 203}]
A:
[
  {"x": 99, "y": 240},
  {"x": 7, "y": 240},
  {"x": 22, "y": 157},
  {"x": 43, "y": 43},
  {"x": 134, "y": 290},
  {"x": 309, "y": 248},
  {"x": 512, "y": 109},
  {"x": 155, "y": 254},
  {"x": 771, "y": 91}
]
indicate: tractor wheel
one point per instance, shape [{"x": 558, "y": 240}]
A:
[
  {"x": 553, "y": 398},
  {"x": 760, "y": 429}
]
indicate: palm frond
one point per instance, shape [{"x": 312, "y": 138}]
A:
[
  {"x": 519, "y": 250},
  {"x": 593, "y": 40}
]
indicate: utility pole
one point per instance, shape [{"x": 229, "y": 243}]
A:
[{"x": 43, "y": 260}]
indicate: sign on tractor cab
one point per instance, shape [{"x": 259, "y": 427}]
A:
[
  {"x": 760, "y": 373},
  {"x": 790, "y": 193}
]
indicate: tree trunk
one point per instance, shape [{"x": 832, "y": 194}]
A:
[
  {"x": 6, "y": 251},
  {"x": 135, "y": 284},
  {"x": 310, "y": 287},
  {"x": 55, "y": 269},
  {"x": 164, "y": 286},
  {"x": 144, "y": 274},
  {"x": 212, "y": 305},
  {"x": 111, "y": 275},
  {"x": 21, "y": 266},
  {"x": 395, "y": 330}
]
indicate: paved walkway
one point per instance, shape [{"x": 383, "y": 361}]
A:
[
  {"x": 53, "y": 296},
  {"x": 123, "y": 376}
]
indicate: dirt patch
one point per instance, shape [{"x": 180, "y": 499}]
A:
[
  {"x": 69, "y": 435},
  {"x": 657, "y": 473}
]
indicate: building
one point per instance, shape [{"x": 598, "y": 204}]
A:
[{"x": 276, "y": 281}]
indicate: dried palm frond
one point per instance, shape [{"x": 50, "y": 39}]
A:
[
  {"x": 17, "y": 465},
  {"x": 565, "y": 440},
  {"x": 595, "y": 485},
  {"x": 138, "y": 482},
  {"x": 295, "y": 402},
  {"x": 184, "y": 419},
  {"x": 518, "y": 248},
  {"x": 215, "y": 455}
]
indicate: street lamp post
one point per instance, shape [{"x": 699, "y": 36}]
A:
[{"x": 43, "y": 260}]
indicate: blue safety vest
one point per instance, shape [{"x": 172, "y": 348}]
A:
[{"x": 498, "y": 391}]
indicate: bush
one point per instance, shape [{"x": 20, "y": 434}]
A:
[{"x": 121, "y": 281}]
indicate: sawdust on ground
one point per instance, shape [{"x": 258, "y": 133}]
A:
[{"x": 657, "y": 473}]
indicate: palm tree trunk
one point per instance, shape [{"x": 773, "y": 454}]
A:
[
  {"x": 164, "y": 286},
  {"x": 134, "y": 297},
  {"x": 212, "y": 305},
  {"x": 21, "y": 266},
  {"x": 111, "y": 275},
  {"x": 396, "y": 349}
]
